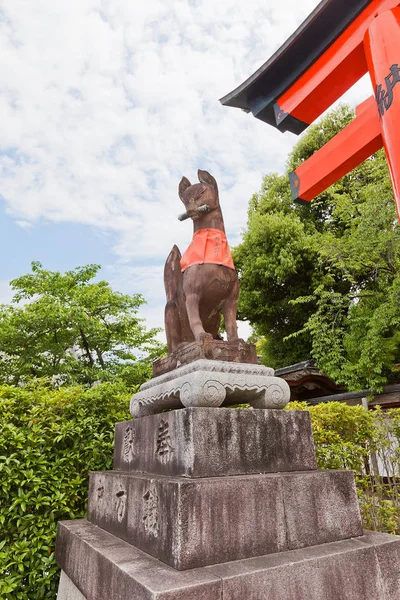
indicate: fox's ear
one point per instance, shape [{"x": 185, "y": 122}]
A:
[
  {"x": 183, "y": 185},
  {"x": 205, "y": 177}
]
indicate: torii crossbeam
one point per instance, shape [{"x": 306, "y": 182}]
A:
[{"x": 335, "y": 46}]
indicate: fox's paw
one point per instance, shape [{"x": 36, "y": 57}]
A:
[{"x": 204, "y": 336}]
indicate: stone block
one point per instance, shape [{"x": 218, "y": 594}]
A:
[
  {"x": 103, "y": 567},
  {"x": 67, "y": 590},
  {"x": 344, "y": 570},
  {"x": 321, "y": 507},
  {"x": 210, "y": 349},
  {"x": 188, "y": 523},
  {"x": 203, "y": 442},
  {"x": 211, "y": 383},
  {"x": 388, "y": 556}
]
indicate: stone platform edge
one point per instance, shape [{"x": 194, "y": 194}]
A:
[{"x": 103, "y": 567}]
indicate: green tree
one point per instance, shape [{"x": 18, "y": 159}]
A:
[
  {"x": 74, "y": 330},
  {"x": 323, "y": 280}
]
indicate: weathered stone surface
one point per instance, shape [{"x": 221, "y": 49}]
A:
[
  {"x": 189, "y": 523},
  {"x": 353, "y": 569},
  {"x": 233, "y": 351},
  {"x": 67, "y": 590},
  {"x": 321, "y": 507},
  {"x": 106, "y": 568},
  {"x": 211, "y": 384},
  {"x": 388, "y": 556},
  {"x": 103, "y": 567},
  {"x": 202, "y": 442}
]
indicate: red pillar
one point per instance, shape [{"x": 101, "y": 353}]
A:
[
  {"x": 382, "y": 50},
  {"x": 356, "y": 142}
]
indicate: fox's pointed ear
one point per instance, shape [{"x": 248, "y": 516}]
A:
[
  {"x": 205, "y": 177},
  {"x": 183, "y": 185}
]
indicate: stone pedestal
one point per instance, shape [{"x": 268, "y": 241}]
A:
[
  {"x": 99, "y": 566},
  {"x": 223, "y": 504},
  {"x": 211, "y": 383},
  {"x": 187, "y": 523},
  {"x": 236, "y": 351},
  {"x": 208, "y": 442}
]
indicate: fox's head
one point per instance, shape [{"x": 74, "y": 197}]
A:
[{"x": 199, "y": 195}]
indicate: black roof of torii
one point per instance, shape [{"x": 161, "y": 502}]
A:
[{"x": 259, "y": 92}]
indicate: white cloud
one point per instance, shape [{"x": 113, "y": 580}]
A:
[{"x": 107, "y": 103}]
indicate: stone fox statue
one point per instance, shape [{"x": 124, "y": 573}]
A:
[{"x": 203, "y": 282}]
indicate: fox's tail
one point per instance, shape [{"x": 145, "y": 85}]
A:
[{"x": 172, "y": 273}]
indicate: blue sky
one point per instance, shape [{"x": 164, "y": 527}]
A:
[
  {"x": 60, "y": 246},
  {"x": 105, "y": 104}
]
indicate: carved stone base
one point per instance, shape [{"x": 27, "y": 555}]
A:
[
  {"x": 190, "y": 523},
  {"x": 237, "y": 351},
  {"x": 103, "y": 567},
  {"x": 203, "y": 442},
  {"x": 211, "y": 384}
]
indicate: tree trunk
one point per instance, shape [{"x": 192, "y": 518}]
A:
[
  {"x": 87, "y": 348},
  {"x": 101, "y": 359}
]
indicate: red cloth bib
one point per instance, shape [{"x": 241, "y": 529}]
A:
[{"x": 208, "y": 246}]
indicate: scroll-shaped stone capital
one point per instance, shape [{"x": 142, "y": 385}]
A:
[{"x": 211, "y": 384}]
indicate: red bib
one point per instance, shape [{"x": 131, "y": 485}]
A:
[{"x": 208, "y": 246}]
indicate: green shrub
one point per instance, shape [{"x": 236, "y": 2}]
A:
[
  {"x": 380, "y": 495},
  {"x": 49, "y": 442},
  {"x": 342, "y": 434},
  {"x": 368, "y": 442}
]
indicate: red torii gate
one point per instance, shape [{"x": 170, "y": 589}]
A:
[{"x": 337, "y": 44}]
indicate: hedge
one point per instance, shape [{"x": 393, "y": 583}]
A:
[
  {"x": 51, "y": 439},
  {"x": 368, "y": 442}
]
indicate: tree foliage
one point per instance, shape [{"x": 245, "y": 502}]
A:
[
  {"x": 322, "y": 280},
  {"x": 74, "y": 330}
]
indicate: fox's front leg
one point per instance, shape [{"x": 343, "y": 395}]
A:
[
  {"x": 194, "y": 281},
  {"x": 192, "y": 307},
  {"x": 229, "y": 310}
]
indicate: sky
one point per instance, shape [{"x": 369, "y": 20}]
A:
[{"x": 105, "y": 105}]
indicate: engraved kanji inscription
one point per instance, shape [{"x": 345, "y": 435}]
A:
[
  {"x": 150, "y": 511},
  {"x": 100, "y": 490},
  {"x": 128, "y": 447},
  {"x": 120, "y": 505},
  {"x": 164, "y": 447}
]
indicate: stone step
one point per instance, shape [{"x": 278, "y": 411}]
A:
[
  {"x": 103, "y": 567},
  {"x": 188, "y": 523},
  {"x": 97, "y": 565},
  {"x": 204, "y": 442}
]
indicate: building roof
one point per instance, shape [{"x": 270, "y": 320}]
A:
[
  {"x": 306, "y": 381},
  {"x": 259, "y": 92},
  {"x": 308, "y": 384}
]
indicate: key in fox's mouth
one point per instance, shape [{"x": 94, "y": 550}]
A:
[{"x": 195, "y": 214}]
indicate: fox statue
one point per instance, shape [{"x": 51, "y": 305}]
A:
[{"x": 203, "y": 283}]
